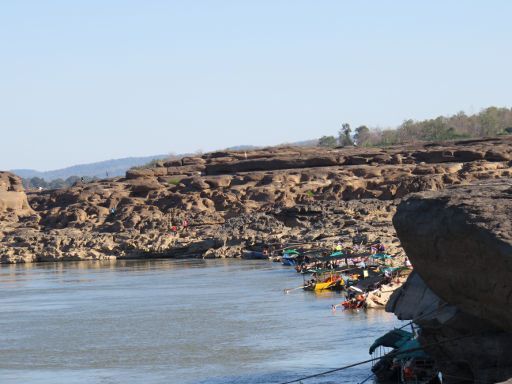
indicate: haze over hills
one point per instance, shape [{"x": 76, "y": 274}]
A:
[{"x": 115, "y": 167}]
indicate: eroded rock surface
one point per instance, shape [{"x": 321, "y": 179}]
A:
[
  {"x": 239, "y": 199},
  {"x": 460, "y": 243}
]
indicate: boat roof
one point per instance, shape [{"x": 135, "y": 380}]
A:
[
  {"x": 393, "y": 339},
  {"x": 381, "y": 256}
]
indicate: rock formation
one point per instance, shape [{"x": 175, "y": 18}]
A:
[
  {"x": 237, "y": 199},
  {"x": 460, "y": 243},
  {"x": 13, "y": 199}
]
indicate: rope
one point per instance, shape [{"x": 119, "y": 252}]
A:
[
  {"x": 365, "y": 380},
  {"x": 391, "y": 354},
  {"x": 330, "y": 371}
]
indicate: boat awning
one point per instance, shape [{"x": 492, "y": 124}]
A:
[
  {"x": 393, "y": 269},
  {"x": 393, "y": 339},
  {"x": 410, "y": 349},
  {"x": 337, "y": 256},
  {"x": 291, "y": 252},
  {"x": 381, "y": 256},
  {"x": 369, "y": 281}
]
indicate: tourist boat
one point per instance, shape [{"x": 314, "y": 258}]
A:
[
  {"x": 356, "y": 302},
  {"x": 381, "y": 256},
  {"x": 402, "y": 360},
  {"x": 290, "y": 257},
  {"x": 325, "y": 280}
]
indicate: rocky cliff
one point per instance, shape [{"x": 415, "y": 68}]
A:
[
  {"x": 237, "y": 199},
  {"x": 460, "y": 243}
]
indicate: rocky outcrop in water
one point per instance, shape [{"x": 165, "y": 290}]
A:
[
  {"x": 236, "y": 199},
  {"x": 460, "y": 243}
]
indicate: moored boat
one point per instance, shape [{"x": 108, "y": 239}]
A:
[
  {"x": 402, "y": 359},
  {"x": 253, "y": 255},
  {"x": 290, "y": 257}
]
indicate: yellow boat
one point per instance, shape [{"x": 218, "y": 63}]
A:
[
  {"x": 329, "y": 283},
  {"x": 322, "y": 286}
]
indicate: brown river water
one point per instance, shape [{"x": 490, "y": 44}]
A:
[{"x": 167, "y": 321}]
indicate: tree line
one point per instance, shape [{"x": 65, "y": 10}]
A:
[
  {"x": 39, "y": 182},
  {"x": 492, "y": 121}
]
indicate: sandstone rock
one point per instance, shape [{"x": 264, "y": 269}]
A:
[
  {"x": 269, "y": 164},
  {"x": 172, "y": 163},
  {"x": 135, "y": 173},
  {"x": 13, "y": 199},
  {"x": 136, "y": 212},
  {"x": 459, "y": 237},
  {"x": 193, "y": 161}
]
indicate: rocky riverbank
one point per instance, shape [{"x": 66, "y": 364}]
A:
[{"x": 234, "y": 200}]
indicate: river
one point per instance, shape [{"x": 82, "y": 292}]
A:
[{"x": 167, "y": 321}]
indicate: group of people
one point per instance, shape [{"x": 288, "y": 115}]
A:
[{"x": 174, "y": 228}]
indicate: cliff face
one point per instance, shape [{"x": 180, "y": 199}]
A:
[
  {"x": 236, "y": 199},
  {"x": 460, "y": 243}
]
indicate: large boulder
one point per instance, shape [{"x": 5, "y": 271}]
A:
[
  {"x": 12, "y": 197},
  {"x": 460, "y": 242}
]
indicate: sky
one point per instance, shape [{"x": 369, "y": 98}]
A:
[{"x": 91, "y": 80}]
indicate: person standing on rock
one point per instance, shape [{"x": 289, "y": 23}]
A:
[{"x": 185, "y": 225}]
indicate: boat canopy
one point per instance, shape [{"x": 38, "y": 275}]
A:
[
  {"x": 291, "y": 252},
  {"x": 337, "y": 256},
  {"x": 381, "y": 256},
  {"x": 393, "y": 339},
  {"x": 393, "y": 269},
  {"x": 410, "y": 349},
  {"x": 369, "y": 281}
]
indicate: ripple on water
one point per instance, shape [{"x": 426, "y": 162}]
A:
[{"x": 164, "y": 321}]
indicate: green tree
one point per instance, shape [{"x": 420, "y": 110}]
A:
[
  {"x": 327, "y": 141},
  {"x": 389, "y": 137},
  {"x": 344, "y": 137},
  {"x": 38, "y": 182},
  {"x": 362, "y": 136},
  {"x": 489, "y": 122},
  {"x": 57, "y": 183}
]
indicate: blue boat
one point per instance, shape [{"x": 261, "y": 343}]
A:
[{"x": 290, "y": 257}]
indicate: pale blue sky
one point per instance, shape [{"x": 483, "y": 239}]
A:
[{"x": 85, "y": 81}]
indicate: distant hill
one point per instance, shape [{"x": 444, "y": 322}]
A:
[
  {"x": 305, "y": 143},
  {"x": 115, "y": 167}
]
